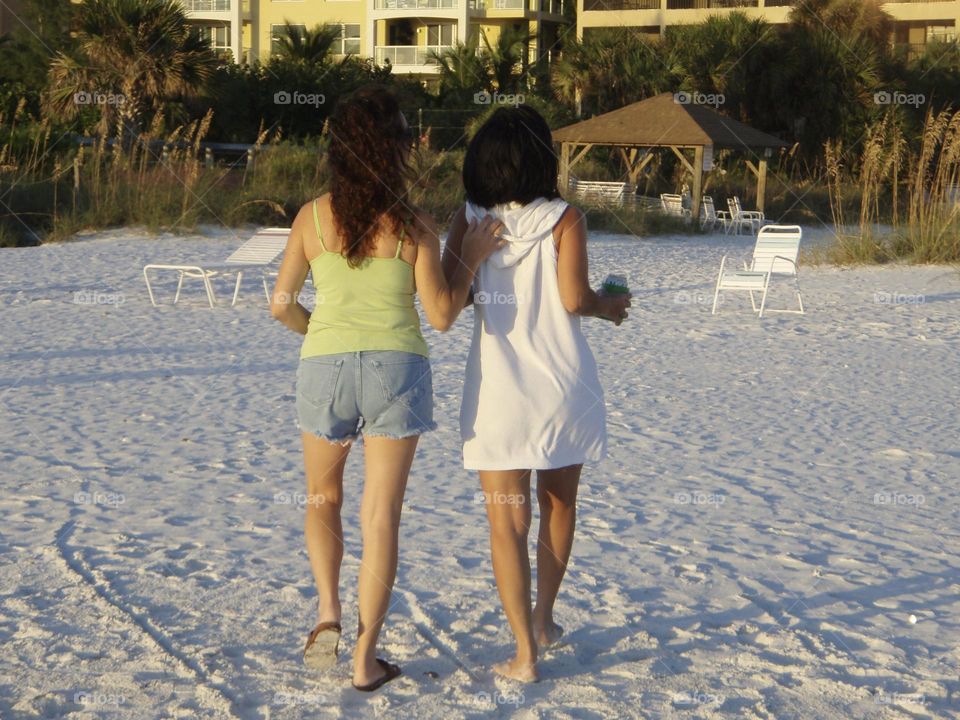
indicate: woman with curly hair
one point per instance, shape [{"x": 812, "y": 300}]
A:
[{"x": 364, "y": 368}]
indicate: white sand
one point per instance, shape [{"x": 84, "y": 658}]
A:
[{"x": 780, "y": 496}]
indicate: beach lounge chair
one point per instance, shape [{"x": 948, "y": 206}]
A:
[
  {"x": 255, "y": 254},
  {"x": 598, "y": 192},
  {"x": 710, "y": 218},
  {"x": 673, "y": 205},
  {"x": 775, "y": 254},
  {"x": 752, "y": 220}
]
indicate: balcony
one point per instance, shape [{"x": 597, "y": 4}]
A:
[
  {"x": 710, "y": 4},
  {"x": 207, "y": 6},
  {"x": 416, "y": 4},
  {"x": 621, "y": 4},
  {"x": 500, "y": 4},
  {"x": 408, "y": 54}
]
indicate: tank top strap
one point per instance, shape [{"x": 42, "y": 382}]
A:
[
  {"x": 316, "y": 224},
  {"x": 400, "y": 243}
]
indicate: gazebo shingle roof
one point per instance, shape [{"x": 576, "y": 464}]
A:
[{"x": 661, "y": 121}]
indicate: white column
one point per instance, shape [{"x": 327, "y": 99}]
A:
[
  {"x": 236, "y": 30},
  {"x": 370, "y": 40}
]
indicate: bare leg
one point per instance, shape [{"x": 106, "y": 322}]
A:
[
  {"x": 557, "y": 495},
  {"x": 508, "y": 511},
  {"x": 388, "y": 465},
  {"x": 322, "y": 530}
]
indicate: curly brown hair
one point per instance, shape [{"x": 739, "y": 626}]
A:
[{"x": 369, "y": 147}]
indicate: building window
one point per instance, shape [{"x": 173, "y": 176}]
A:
[
  {"x": 349, "y": 42},
  {"x": 440, "y": 34},
  {"x": 280, "y": 31},
  {"x": 940, "y": 33},
  {"x": 217, "y": 36}
]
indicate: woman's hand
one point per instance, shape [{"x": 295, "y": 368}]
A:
[
  {"x": 614, "y": 307},
  {"x": 481, "y": 240}
]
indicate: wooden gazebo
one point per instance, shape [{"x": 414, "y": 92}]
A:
[{"x": 665, "y": 121}]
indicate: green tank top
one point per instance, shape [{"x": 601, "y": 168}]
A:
[{"x": 364, "y": 308}]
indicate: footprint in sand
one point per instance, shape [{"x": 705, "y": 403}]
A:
[
  {"x": 182, "y": 551},
  {"x": 692, "y": 572}
]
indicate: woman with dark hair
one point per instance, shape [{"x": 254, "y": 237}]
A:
[
  {"x": 364, "y": 365},
  {"x": 532, "y": 398}
]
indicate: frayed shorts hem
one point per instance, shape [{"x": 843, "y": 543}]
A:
[{"x": 404, "y": 435}]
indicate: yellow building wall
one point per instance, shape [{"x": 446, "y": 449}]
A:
[
  {"x": 493, "y": 27},
  {"x": 309, "y": 13}
]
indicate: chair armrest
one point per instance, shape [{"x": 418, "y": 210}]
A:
[{"x": 789, "y": 260}]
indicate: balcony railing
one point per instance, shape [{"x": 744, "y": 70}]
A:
[
  {"x": 416, "y": 4},
  {"x": 710, "y": 4},
  {"x": 621, "y": 4},
  {"x": 552, "y": 6},
  {"x": 200, "y": 6},
  {"x": 408, "y": 54},
  {"x": 503, "y": 4}
]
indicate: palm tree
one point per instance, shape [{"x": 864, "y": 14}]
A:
[
  {"x": 846, "y": 18},
  {"x": 135, "y": 54},
  {"x": 825, "y": 87},
  {"x": 608, "y": 70},
  {"x": 506, "y": 57},
  {"x": 314, "y": 45},
  {"x": 462, "y": 70},
  {"x": 728, "y": 56}
]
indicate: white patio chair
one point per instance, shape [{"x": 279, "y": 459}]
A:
[
  {"x": 256, "y": 253},
  {"x": 775, "y": 254},
  {"x": 710, "y": 217},
  {"x": 753, "y": 220},
  {"x": 673, "y": 205},
  {"x": 601, "y": 192}
]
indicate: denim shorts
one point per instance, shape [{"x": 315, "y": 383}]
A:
[{"x": 379, "y": 393}]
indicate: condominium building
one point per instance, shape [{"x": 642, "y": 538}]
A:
[
  {"x": 225, "y": 24},
  {"x": 247, "y": 30},
  {"x": 917, "y": 22},
  {"x": 402, "y": 32},
  {"x": 407, "y": 32}
]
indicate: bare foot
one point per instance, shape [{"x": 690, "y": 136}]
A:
[
  {"x": 515, "y": 670},
  {"x": 548, "y": 636}
]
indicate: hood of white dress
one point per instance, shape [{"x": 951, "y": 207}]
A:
[{"x": 526, "y": 226}]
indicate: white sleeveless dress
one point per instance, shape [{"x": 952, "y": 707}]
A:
[{"x": 532, "y": 397}]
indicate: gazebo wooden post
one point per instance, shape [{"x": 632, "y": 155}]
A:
[
  {"x": 564, "y": 167},
  {"x": 697, "y": 190},
  {"x": 760, "y": 172},
  {"x": 762, "y": 184},
  {"x": 635, "y": 167}
]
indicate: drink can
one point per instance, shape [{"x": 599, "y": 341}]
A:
[{"x": 615, "y": 285}]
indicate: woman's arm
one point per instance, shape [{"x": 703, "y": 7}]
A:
[
  {"x": 575, "y": 292},
  {"x": 443, "y": 285},
  {"x": 285, "y": 304},
  {"x": 453, "y": 248}
]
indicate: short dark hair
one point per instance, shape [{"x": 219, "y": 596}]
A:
[{"x": 511, "y": 159}]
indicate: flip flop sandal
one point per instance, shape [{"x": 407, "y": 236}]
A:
[
  {"x": 323, "y": 642},
  {"x": 391, "y": 672}
]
